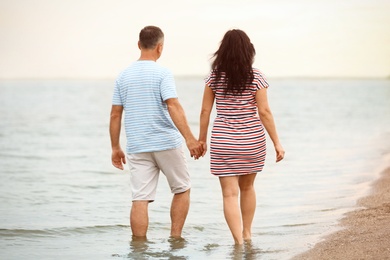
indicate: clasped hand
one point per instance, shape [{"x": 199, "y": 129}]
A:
[{"x": 197, "y": 148}]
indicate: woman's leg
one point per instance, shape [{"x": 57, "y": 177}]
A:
[
  {"x": 247, "y": 202},
  {"x": 231, "y": 209}
]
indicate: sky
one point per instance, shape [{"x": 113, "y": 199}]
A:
[{"x": 98, "y": 38}]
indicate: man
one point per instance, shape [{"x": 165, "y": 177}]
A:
[{"x": 154, "y": 120}]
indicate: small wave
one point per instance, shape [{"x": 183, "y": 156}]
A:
[
  {"x": 41, "y": 157},
  {"x": 210, "y": 247},
  {"x": 298, "y": 225},
  {"x": 199, "y": 228},
  {"x": 326, "y": 210},
  {"x": 89, "y": 187},
  {"x": 21, "y": 156},
  {"x": 63, "y": 231},
  {"x": 101, "y": 172}
]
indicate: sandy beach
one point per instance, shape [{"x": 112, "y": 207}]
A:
[{"x": 366, "y": 231}]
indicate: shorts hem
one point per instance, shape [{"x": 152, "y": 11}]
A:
[{"x": 178, "y": 191}]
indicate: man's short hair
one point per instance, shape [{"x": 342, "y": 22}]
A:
[{"x": 150, "y": 36}]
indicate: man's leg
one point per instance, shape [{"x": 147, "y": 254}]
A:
[
  {"x": 174, "y": 166},
  {"x": 139, "y": 218},
  {"x": 144, "y": 179},
  {"x": 179, "y": 211}
]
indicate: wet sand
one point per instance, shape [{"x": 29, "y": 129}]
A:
[{"x": 366, "y": 231}]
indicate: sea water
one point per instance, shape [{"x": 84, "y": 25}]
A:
[{"x": 60, "y": 197}]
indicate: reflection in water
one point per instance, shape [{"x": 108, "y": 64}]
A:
[
  {"x": 138, "y": 248},
  {"x": 142, "y": 248},
  {"x": 177, "y": 243},
  {"x": 247, "y": 251},
  {"x": 237, "y": 252}
]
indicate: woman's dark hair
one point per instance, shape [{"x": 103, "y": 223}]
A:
[
  {"x": 234, "y": 58},
  {"x": 149, "y": 36}
]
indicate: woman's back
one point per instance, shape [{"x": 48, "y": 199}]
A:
[{"x": 231, "y": 105}]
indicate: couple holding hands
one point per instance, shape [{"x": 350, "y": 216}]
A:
[{"x": 155, "y": 125}]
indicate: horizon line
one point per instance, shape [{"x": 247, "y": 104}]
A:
[{"x": 203, "y": 76}]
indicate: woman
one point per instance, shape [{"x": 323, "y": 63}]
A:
[{"x": 237, "y": 146}]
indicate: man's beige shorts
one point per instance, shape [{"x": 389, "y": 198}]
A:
[{"x": 145, "y": 169}]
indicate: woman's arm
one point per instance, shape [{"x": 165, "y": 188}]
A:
[
  {"x": 268, "y": 121},
  {"x": 207, "y": 106}
]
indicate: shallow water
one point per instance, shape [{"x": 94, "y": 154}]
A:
[{"x": 61, "y": 198}]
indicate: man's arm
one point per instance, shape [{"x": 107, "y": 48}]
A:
[
  {"x": 117, "y": 156},
  {"x": 179, "y": 119}
]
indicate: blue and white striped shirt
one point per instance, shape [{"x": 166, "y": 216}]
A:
[{"x": 142, "y": 89}]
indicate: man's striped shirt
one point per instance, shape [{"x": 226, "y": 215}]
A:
[{"x": 142, "y": 89}]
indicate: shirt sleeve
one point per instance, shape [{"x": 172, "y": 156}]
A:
[
  {"x": 168, "y": 86},
  {"x": 260, "y": 80},
  {"x": 116, "y": 98},
  {"x": 209, "y": 80}
]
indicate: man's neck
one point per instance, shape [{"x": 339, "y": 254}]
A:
[{"x": 148, "y": 55}]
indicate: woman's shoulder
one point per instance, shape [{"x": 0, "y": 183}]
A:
[
  {"x": 260, "y": 78},
  {"x": 213, "y": 72},
  {"x": 257, "y": 71},
  {"x": 215, "y": 75}
]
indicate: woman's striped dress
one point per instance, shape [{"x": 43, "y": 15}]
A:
[{"x": 237, "y": 145}]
